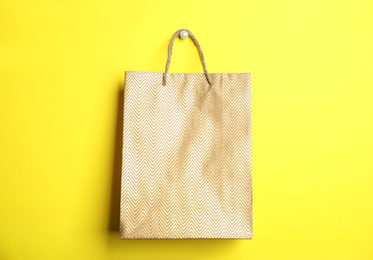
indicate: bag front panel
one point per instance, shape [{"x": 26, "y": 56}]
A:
[{"x": 186, "y": 171}]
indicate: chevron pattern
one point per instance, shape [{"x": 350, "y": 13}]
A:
[{"x": 186, "y": 169}]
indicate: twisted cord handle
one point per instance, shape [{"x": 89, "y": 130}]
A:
[{"x": 176, "y": 34}]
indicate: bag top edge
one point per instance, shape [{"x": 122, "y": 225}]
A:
[{"x": 129, "y": 71}]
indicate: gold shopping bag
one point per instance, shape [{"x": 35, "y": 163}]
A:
[{"x": 186, "y": 167}]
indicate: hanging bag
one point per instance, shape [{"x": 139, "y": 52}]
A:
[{"x": 186, "y": 169}]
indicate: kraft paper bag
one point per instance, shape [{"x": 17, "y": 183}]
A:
[{"x": 186, "y": 169}]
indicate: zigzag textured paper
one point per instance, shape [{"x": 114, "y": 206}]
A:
[{"x": 186, "y": 170}]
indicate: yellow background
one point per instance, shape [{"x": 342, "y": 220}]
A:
[{"x": 62, "y": 69}]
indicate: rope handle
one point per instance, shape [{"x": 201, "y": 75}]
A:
[{"x": 176, "y": 34}]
